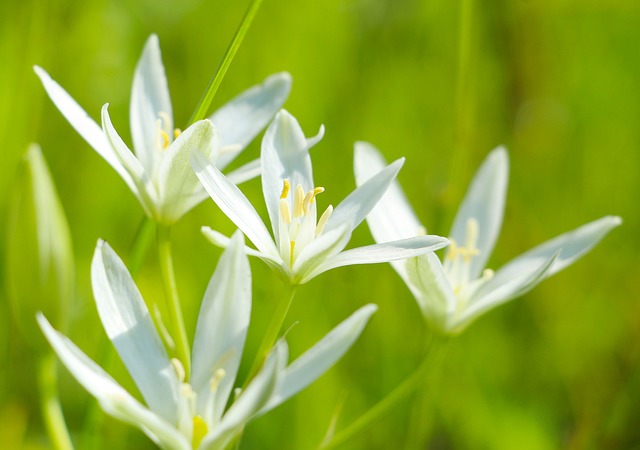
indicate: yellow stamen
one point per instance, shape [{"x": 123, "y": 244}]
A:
[
  {"x": 177, "y": 132},
  {"x": 216, "y": 379},
  {"x": 179, "y": 369},
  {"x": 422, "y": 231},
  {"x": 285, "y": 189},
  {"x": 200, "y": 430},
  {"x": 298, "y": 200},
  {"x": 316, "y": 191},
  {"x": 292, "y": 248},
  {"x": 165, "y": 138},
  {"x": 452, "y": 250},
  {"x": 323, "y": 220},
  {"x": 285, "y": 213}
]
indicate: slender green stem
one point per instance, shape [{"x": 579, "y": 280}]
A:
[
  {"x": 418, "y": 431},
  {"x": 384, "y": 406},
  {"x": 50, "y": 404},
  {"x": 463, "y": 97},
  {"x": 140, "y": 245},
  {"x": 171, "y": 296},
  {"x": 273, "y": 330},
  {"x": 214, "y": 84}
]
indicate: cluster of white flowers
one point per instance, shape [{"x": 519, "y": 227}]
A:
[{"x": 171, "y": 171}]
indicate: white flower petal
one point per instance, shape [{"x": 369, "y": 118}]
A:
[
  {"x": 179, "y": 187},
  {"x": 113, "y": 399},
  {"x": 245, "y": 172},
  {"x": 426, "y": 279},
  {"x": 312, "y": 141},
  {"x": 360, "y": 202},
  {"x": 241, "y": 119},
  {"x": 85, "y": 126},
  {"x": 284, "y": 155},
  {"x": 495, "y": 294},
  {"x": 392, "y": 218},
  {"x": 385, "y": 252},
  {"x": 150, "y": 102},
  {"x": 324, "y": 247},
  {"x": 234, "y": 204},
  {"x": 573, "y": 244},
  {"x": 147, "y": 193},
  {"x": 250, "y": 402},
  {"x": 222, "y": 326},
  {"x": 484, "y": 202},
  {"x": 312, "y": 364},
  {"x": 126, "y": 320}
]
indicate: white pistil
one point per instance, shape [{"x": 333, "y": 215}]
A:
[{"x": 298, "y": 200}]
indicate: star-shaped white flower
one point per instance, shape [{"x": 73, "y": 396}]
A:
[
  {"x": 303, "y": 246},
  {"x": 454, "y": 292},
  {"x": 159, "y": 174},
  {"x": 185, "y": 414}
]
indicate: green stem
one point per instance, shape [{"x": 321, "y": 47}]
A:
[
  {"x": 418, "y": 431},
  {"x": 384, "y": 406},
  {"x": 462, "y": 91},
  {"x": 270, "y": 336},
  {"x": 50, "y": 404},
  {"x": 140, "y": 245},
  {"x": 171, "y": 296},
  {"x": 205, "y": 102}
]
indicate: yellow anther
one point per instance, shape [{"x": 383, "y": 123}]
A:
[
  {"x": 285, "y": 189},
  {"x": 165, "y": 139},
  {"x": 422, "y": 231},
  {"x": 179, "y": 369},
  {"x": 285, "y": 213},
  {"x": 323, "y": 220},
  {"x": 316, "y": 191},
  {"x": 177, "y": 132},
  {"x": 487, "y": 274},
  {"x": 200, "y": 430},
  {"x": 298, "y": 201}
]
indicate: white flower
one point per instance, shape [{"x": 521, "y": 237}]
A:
[
  {"x": 184, "y": 414},
  {"x": 453, "y": 293},
  {"x": 159, "y": 174},
  {"x": 304, "y": 246}
]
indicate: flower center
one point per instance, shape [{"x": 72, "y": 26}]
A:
[
  {"x": 192, "y": 423},
  {"x": 163, "y": 135},
  {"x": 297, "y": 220},
  {"x": 457, "y": 263}
]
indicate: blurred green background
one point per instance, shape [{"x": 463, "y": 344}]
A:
[{"x": 557, "y": 81}]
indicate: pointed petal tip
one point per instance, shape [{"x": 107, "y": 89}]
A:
[
  {"x": 614, "y": 220},
  {"x": 500, "y": 155},
  {"x": 369, "y": 309},
  {"x": 281, "y": 77}
]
